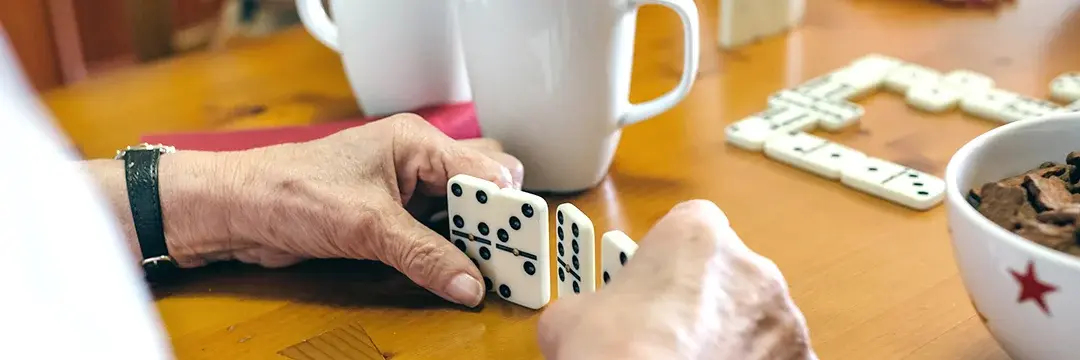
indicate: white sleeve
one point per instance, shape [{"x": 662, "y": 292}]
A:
[{"x": 69, "y": 288}]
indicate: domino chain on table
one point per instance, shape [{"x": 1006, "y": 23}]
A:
[{"x": 781, "y": 130}]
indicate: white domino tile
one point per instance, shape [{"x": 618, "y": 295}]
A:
[
  {"x": 811, "y": 153},
  {"x": 575, "y": 252},
  {"x": 904, "y": 77},
  {"x": 988, "y": 104},
  {"x": 966, "y": 81},
  {"x": 616, "y": 250},
  {"x": 873, "y": 68},
  {"x": 828, "y": 87},
  {"x": 830, "y": 115},
  {"x": 1066, "y": 87},
  {"x": 1024, "y": 108},
  {"x": 933, "y": 98},
  {"x": 842, "y": 84},
  {"x": 1074, "y": 107},
  {"x": 750, "y": 133},
  {"x": 895, "y": 183},
  {"x": 505, "y": 232}
]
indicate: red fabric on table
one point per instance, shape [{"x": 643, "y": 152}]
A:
[{"x": 456, "y": 120}]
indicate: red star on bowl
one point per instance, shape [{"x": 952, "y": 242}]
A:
[{"x": 1031, "y": 288}]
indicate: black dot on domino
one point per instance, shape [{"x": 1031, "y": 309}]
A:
[
  {"x": 488, "y": 284},
  {"x": 504, "y": 291},
  {"x": 458, "y": 221},
  {"x": 561, "y": 251},
  {"x": 872, "y": 168},
  {"x": 622, "y": 258},
  {"x": 529, "y": 268},
  {"x": 559, "y": 232},
  {"x": 562, "y": 275},
  {"x": 558, "y": 215},
  {"x": 574, "y": 229},
  {"x": 834, "y": 155},
  {"x": 485, "y": 253},
  {"x": 483, "y": 227},
  {"x": 573, "y": 245},
  {"x": 481, "y": 196},
  {"x": 577, "y": 288},
  {"x": 515, "y": 223},
  {"x": 460, "y": 244},
  {"x": 455, "y": 188},
  {"x": 527, "y": 210},
  {"x": 574, "y": 260},
  {"x": 607, "y": 277},
  {"x": 503, "y": 235},
  {"x": 477, "y": 263}
]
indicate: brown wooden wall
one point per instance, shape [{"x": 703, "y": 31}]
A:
[
  {"x": 103, "y": 32},
  {"x": 26, "y": 23}
]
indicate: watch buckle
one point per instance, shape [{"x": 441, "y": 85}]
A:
[{"x": 159, "y": 259}]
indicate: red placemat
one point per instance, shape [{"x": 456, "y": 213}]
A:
[{"x": 456, "y": 120}]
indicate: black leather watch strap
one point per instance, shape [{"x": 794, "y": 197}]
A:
[{"x": 141, "y": 169}]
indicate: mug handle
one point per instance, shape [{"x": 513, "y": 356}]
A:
[
  {"x": 688, "y": 12},
  {"x": 318, "y": 23}
]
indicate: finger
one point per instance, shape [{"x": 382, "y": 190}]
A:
[
  {"x": 511, "y": 163},
  {"x": 494, "y": 150},
  {"x": 427, "y": 158},
  {"x": 557, "y": 319},
  {"x": 426, "y": 258},
  {"x": 680, "y": 249},
  {"x": 485, "y": 145}
]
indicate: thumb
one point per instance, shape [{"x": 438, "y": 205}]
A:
[{"x": 427, "y": 258}]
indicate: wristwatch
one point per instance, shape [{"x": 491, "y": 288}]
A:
[{"x": 141, "y": 172}]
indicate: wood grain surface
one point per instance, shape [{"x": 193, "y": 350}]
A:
[{"x": 876, "y": 281}]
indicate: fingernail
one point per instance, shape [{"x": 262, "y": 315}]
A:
[{"x": 465, "y": 289}]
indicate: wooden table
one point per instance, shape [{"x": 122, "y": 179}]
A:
[{"x": 876, "y": 281}]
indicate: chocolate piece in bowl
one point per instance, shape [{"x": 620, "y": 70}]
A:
[
  {"x": 1067, "y": 215},
  {"x": 1047, "y": 193},
  {"x": 974, "y": 198},
  {"x": 1001, "y": 203},
  {"x": 1073, "y": 158},
  {"x": 1049, "y": 235}
]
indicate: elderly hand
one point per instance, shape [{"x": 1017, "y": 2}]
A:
[
  {"x": 353, "y": 194},
  {"x": 693, "y": 290}
]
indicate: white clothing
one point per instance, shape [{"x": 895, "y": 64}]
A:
[{"x": 69, "y": 288}]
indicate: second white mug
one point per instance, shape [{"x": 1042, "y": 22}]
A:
[
  {"x": 399, "y": 55},
  {"x": 551, "y": 81}
]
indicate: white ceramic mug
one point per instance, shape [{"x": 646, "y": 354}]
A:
[
  {"x": 399, "y": 55},
  {"x": 551, "y": 81}
]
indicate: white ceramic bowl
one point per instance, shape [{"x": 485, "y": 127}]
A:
[{"x": 1005, "y": 275}]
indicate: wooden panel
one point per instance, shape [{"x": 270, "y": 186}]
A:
[
  {"x": 26, "y": 23},
  {"x": 188, "y": 13},
  {"x": 104, "y": 32}
]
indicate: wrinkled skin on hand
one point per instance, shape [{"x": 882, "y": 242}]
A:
[
  {"x": 355, "y": 194},
  {"x": 693, "y": 290}
]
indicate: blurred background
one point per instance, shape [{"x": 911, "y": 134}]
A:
[{"x": 64, "y": 41}]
